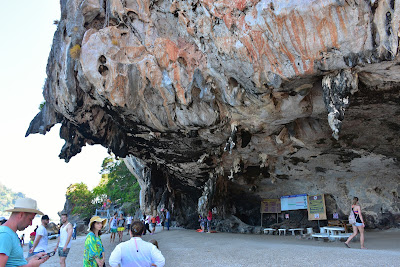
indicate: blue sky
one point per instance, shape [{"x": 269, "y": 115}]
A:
[{"x": 31, "y": 165}]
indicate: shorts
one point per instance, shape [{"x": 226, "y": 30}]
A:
[
  {"x": 153, "y": 225},
  {"x": 121, "y": 229},
  {"x": 61, "y": 253},
  {"x": 358, "y": 224},
  {"x": 113, "y": 230},
  {"x": 129, "y": 226}
]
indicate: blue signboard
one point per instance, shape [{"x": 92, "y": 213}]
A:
[{"x": 294, "y": 202}]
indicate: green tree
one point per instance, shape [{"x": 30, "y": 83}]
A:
[
  {"x": 81, "y": 199},
  {"x": 117, "y": 183}
]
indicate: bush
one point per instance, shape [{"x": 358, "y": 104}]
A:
[{"x": 75, "y": 51}]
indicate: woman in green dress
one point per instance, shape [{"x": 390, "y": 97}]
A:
[{"x": 94, "y": 250}]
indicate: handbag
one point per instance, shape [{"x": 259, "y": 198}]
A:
[{"x": 352, "y": 217}]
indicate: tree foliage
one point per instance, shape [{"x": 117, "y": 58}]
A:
[
  {"x": 117, "y": 184},
  {"x": 81, "y": 199}
]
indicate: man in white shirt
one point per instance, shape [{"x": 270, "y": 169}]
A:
[
  {"x": 136, "y": 252},
  {"x": 41, "y": 239}
]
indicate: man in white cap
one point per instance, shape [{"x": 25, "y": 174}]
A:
[{"x": 11, "y": 253}]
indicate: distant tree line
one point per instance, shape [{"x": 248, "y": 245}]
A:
[{"x": 7, "y": 199}]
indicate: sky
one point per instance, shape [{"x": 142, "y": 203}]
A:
[{"x": 31, "y": 164}]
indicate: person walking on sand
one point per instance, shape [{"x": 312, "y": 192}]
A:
[
  {"x": 153, "y": 224},
  {"x": 136, "y": 252},
  {"x": 64, "y": 239},
  {"x": 146, "y": 224},
  {"x": 121, "y": 227},
  {"x": 11, "y": 252},
  {"x": 129, "y": 219},
  {"x": 41, "y": 239},
  {"x": 113, "y": 227},
  {"x": 93, "y": 255},
  {"x": 358, "y": 226}
]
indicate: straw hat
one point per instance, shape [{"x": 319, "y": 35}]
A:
[
  {"x": 97, "y": 219},
  {"x": 25, "y": 205}
]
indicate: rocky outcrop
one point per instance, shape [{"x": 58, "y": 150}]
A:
[{"x": 218, "y": 104}]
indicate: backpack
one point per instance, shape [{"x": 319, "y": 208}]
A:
[{"x": 352, "y": 217}]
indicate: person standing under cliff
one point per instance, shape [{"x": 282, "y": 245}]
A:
[
  {"x": 168, "y": 216},
  {"x": 129, "y": 219},
  {"x": 64, "y": 239},
  {"x": 74, "y": 232},
  {"x": 209, "y": 218},
  {"x": 162, "y": 218},
  {"x": 121, "y": 227},
  {"x": 358, "y": 226},
  {"x": 41, "y": 239},
  {"x": 113, "y": 227},
  {"x": 11, "y": 252}
]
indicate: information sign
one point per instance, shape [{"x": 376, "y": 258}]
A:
[
  {"x": 270, "y": 206},
  {"x": 316, "y": 207},
  {"x": 294, "y": 202}
]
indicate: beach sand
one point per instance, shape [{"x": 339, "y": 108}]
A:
[{"x": 188, "y": 248}]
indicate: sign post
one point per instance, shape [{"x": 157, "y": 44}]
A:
[
  {"x": 316, "y": 208},
  {"x": 270, "y": 206}
]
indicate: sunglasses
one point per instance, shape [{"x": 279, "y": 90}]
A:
[{"x": 50, "y": 254}]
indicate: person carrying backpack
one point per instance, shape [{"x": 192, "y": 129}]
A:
[{"x": 357, "y": 221}]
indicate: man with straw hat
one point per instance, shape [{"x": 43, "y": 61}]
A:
[{"x": 11, "y": 253}]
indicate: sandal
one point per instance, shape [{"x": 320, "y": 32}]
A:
[{"x": 346, "y": 245}]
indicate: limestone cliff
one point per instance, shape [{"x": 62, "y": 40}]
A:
[{"x": 218, "y": 104}]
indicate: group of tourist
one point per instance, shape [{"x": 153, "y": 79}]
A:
[
  {"x": 11, "y": 252},
  {"x": 134, "y": 252},
  {"x": 25, "y": 210},
  {"x": 39, "y": 238},
  {"x": 205, "y": 221},
  {"x": 117, "y": 225}
]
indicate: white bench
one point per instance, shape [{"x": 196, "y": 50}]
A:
[
  {"x": 340, "y": 236},
  {"x": 320, "y": 235},
  {"x": 282, "y": 230},
  {"x": 269, "y": 231},
  {"x": 296, "y": 229}
]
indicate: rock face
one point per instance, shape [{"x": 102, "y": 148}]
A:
[{"x": 218, "y": 104}]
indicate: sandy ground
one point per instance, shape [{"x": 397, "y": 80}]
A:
[{"x": 189, "y": 248}]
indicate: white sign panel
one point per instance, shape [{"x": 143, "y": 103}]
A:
[{"x": 294, "y": 202}]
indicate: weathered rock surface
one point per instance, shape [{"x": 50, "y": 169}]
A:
[{"x": 218, "y": 104}]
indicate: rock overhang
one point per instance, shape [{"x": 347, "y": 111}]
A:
[{"x": 242, "y": 96}]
